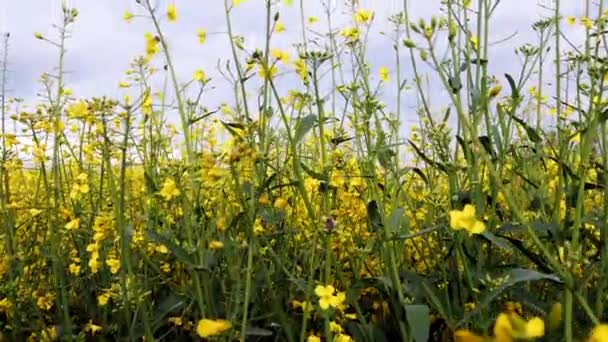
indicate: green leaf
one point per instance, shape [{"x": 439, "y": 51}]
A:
[
  {"x": 304, "y": 126},
  {"x": 514, "y": 89},
  {"x": 419, "y": 320},
  {"x": 374, "y": 219}
]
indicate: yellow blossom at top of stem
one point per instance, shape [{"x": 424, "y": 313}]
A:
[
  {"x": 363, "y": 16},
  {"x": 466, "y": 219},
  {"x": 467, "y": 336},
  {"x": 384, "y": 76},
  {"x": 571, "y": 20},
  {"x": 587, "y": 22},
  {"x": 169, "y": 190},
  {"x": 474, "y": 42},
  {"x": 313, "y": 338},
  {"x": 171, "y": 13},
  {"x": 201, "y": 34},
  {"x": 211, "y": 327},
  {"x": 128, "y": 16},
  {"x": 599, "y": 333},
  {"x": 199, "y": 75},
  {"x": 279, "y": 27},
  {"x": 280, "y": 55},
  {"x": 511, "y": 326},
  {"x": 237, "y": 2}
]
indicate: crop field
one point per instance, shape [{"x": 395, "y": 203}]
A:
[{"x": 335, "y": 170}]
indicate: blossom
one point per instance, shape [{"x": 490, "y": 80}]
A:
[
  {"x": 201, "y": 35},
  {"x": 363, "y": 16},
  {"x": 114, "y": 265},
  {"x": 215, "y": 244},
  {"x": 171, "y": 13},
  {"x": 301, "y": 69},
  {"x": 92, "y": 328},
  {"x": 151, "y": 44},
  {"x": 571, "y": 20},
  {"x": 466, "y": 219},
  {"x": 384, "y": 76},
  {"x": 280, "y": 55},
  {"x": 127, "y": 16},
  {"x": 599, "y": 333},
  {"x": 169, "y": 190},
  {"x": 199, "y": 75},
  {"x": 279, "y": 27},
  {"x": 512, "y": 326},
  {"x": 211, "y": 327}
]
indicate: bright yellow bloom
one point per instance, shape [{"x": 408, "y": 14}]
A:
[
  {"x": 127, "y": 16},
  {"x": 571, "y": 20},
  {"x": 199, "y": 75},
  {"x": 466, "y": 220},
  {"x": 363, "y": 16},
  {"x": 280, "y": 55},
  {"x": 512, "y": 326},
  {"x": 92, "y": 328},
  {"x": 350, "y": 33},
  {"x": 169, "y": 190},
  {"x": 202, "y": 36},
  {"x": 384, "y": 76},
  {"x": 313, "y": 338},
  {"x": 215, "y": 244},
  {"x": 326, "y": 296},
  {"x": 209, "y": 327},
  {"x": 102, "y": 299},
  {"x": 279, "y": 27},
  {"x": 265, "y": 73},
  {"x": 301, "y": 69},
  {"x": 587, "y": 22},
  {"x": 73, "y": 224},
  {"x": 151, "y": 44},
  {"x": 114, "y": 265},
  {"x": 467, "y": 336},
  {"x": 78, "y": 110},
  {"x": 171, "y": 13},
  {"x": 599, "y": 333}
]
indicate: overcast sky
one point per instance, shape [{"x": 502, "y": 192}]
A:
[{"x": 103, "y": 44}]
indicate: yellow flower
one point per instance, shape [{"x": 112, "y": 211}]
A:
[
  {"x": 384, "y": 76},
  {"x": 171, "y": 13},
  {"x": 78, "y": 110},
  {"x": 587, "y": 22},
  {"x": 74, "y": 269},
  {"x": 38, "y": 35},
  {"x": 215, "y": 244},
  {"x": 511, "y": 326},
  {"x": 467, "y": 336},
  {"x": 280, "y": 203},
  {"x": 265, "y": 73},
  {"x": 301, "y": 69},
  {"x": 202, "y": 36},
  {"x": 599, "y": 333},
  {"x": 162, "y": 249},
  {"x": 326, "y": 295},
  {"x": 114, "y": 265},
  {"x": 466, "y": 220},
  {"x": 474, "y": 42},
  {"x": 280, "y": 55},
  {"x": 199, "y": 75},
  {"x": 73, "y": 224},
  {"x": 169, "y": 190},
  {"x": 92, "y": 328},
  {"x": 102, "y": 299},
  {"x": 312, "y": 20},
  {"x": 151, "y": 44},
  {"x": 313, "y": 338},
  {"x": 343, "y": 338},
  {"x": 363, "y": 16},
  {"x": 571, "y": 20},
  {"x": 127, "y": 16},
  {"x": 279, "y": 27},
  {"x": 350, "y": 33},
  {"x": 211, "y": 327},
  {"x": 236, "y": 3}
]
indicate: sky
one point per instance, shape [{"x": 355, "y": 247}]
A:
[{"x": 102, "y": 44}]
